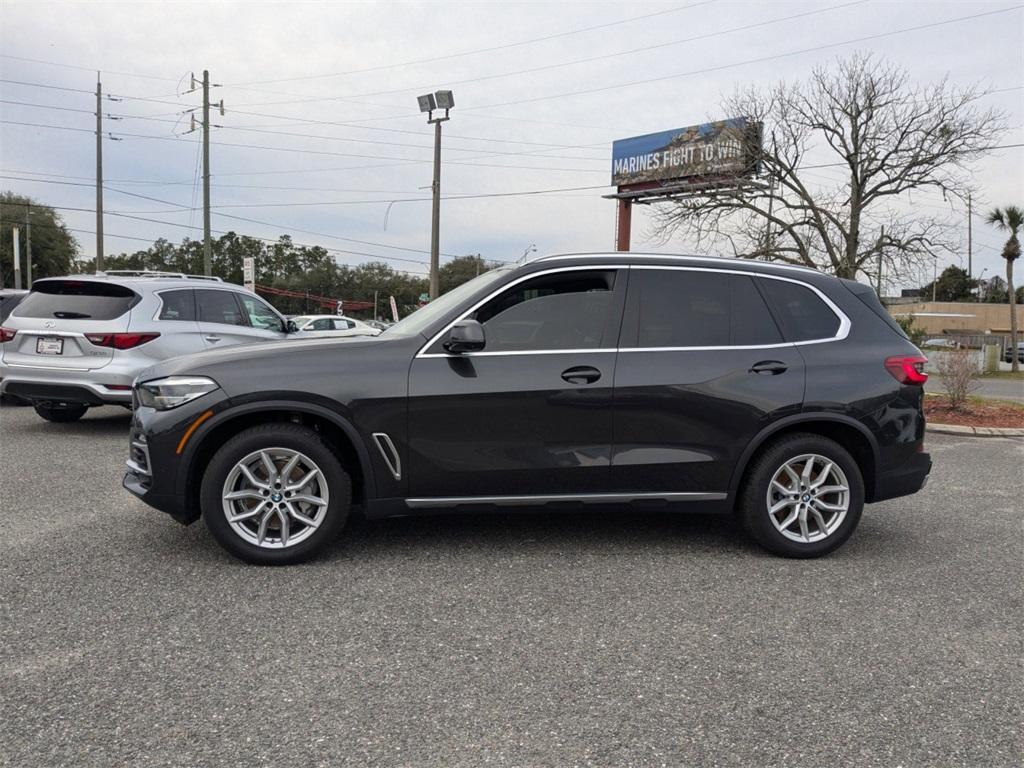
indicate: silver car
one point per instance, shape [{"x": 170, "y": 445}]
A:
[
  {"x": 332, "y": 325},
  {"x": 76, "y": 342}
]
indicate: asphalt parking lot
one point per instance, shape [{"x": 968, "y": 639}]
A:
[{"x": 610, "y": 639}]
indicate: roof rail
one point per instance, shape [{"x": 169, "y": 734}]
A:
[{"x": 154, "y": 274}]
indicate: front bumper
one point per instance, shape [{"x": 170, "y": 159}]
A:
[{"x": 159, "y": 456}]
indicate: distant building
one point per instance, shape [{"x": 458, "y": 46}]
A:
[{"x": 959, "y": 317}]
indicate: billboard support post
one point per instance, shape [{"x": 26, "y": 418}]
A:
[{"x": 623, "y": 225}]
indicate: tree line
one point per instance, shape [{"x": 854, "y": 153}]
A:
[{"x": 279, "y": 264}]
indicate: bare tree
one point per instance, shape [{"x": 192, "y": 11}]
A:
[{"x": 888, "y": 136}]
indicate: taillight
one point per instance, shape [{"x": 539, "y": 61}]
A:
[
  {"x": 907, "y": 369},
  {"x": 120, "y": 340},
  {"x": 6, "y": 334}
]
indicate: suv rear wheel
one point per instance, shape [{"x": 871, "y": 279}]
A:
[
  {"x": 275, "y": 494},
  {"x": 803, "y": 496},
  {"x": 61, "y": 414}
]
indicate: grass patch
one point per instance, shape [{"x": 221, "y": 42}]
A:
[{"x": 1010, "y": 375}]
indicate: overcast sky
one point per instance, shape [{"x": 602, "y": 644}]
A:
[{"x": 301, "y": 68}]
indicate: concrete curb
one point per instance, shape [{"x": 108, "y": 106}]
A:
[{"x": 956, "y": 429}]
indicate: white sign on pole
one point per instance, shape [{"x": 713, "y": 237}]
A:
[
  {"x": 341, "y": 308},
  {"x": 249, "y": 273},
  {"x": 394, "y": 309}
]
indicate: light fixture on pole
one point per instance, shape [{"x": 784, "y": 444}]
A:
[{"x": 428, "y": 103}]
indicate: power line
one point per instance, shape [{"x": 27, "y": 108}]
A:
[
  {"x": 502, "y": 47},
  {"x": 295, "y": 150},
  {"x": 759, "y": 60},
  {"x": 85, "y": 69},
  {"x": 587, "y": 60}
]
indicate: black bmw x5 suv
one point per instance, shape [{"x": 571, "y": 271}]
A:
[{"x": 781, "y": 394}]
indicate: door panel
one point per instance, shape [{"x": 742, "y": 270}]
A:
[
  {"x": 682, "y": 418},
  {"x": 530, "y": 414},
  {"x": 703, "y": 368},
  {"x": 509, "y": 425}
]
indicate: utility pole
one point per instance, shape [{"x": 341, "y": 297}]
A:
[
  {"x": 428, "y": 103},
  {"x": 99, "y": 174},
  {"x": 878, "y": 285},
  {"x": 207, "y": 250},
  {"x": 28, "y": 246},
  {"x": 970, "y": 271}
]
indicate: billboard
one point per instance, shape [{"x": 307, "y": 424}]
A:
[{"x": 722, "y": 148}]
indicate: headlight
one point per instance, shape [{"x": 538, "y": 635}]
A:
[{"x": 164, "y": 394}]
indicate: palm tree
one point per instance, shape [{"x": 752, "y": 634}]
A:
[{"x": 1010, "y": 219}]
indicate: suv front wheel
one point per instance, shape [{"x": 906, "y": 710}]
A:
[
  {"x": 803, "y": 496},
  {"x": 275, "y": 494}
]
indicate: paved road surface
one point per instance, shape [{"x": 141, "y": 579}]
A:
[
  {"x": 612, "y": 639},
  {"x": 1002, "y": 389}
]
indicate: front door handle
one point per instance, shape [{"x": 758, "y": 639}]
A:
[
  {"x": 774, "y": 367},
  {"x": 581, "y": 374}
]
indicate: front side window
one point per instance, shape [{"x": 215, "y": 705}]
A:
[
  {"x": 218, "y": 307},
  {"x": 177, "y": 305},
  {"x": 565, "y": 310},
  {"x": 321, "y": 324},
  {"x": 260, "y": 315},
  {"x": 682, "y": 308},
  {"x": 804, "y": 316}
]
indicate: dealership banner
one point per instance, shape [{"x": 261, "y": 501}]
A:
[{"x": 722, "y": 148}]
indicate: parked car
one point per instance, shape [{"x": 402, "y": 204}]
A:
[
  {"x": 785, "y": 395},
  {"x": 1008, "y": 353},
  {"x": 942, "y": 343},
  {"x": 331, "y": 325},
  {"x": 9, "y": 299},
  {"x": 77, "y": 342}
]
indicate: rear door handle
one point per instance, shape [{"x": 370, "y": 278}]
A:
[
  {"x": 774, "y": 367},
  {"x": 581, "y": 374},
  {"x": 212, "y": 338}
]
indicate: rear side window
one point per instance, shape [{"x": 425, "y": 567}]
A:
[
  {"x": 177, "y": 305},
  {"x": 680, "y": 308},
  {"x": 77, "y": 300},
  {"x": 802, "y": 313},
  {"x": 218, "y": 307}
]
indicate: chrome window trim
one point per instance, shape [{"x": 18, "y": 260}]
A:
[
  {"x": 585, "y": 498},
  {"x": 385, "y": 445},
  {"x": 841, "y": 333},
  {"x": 576, "y": 268}
]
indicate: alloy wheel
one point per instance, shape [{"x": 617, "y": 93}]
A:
[
  {"x": 275, "y": 498},
  {"x": 808, "y": 498}
]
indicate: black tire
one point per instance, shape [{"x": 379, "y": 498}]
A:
[
  {"x": 290, "y": 436},
  {"x": 752, "y": 504},
  {"x": 61, "y": 414}
]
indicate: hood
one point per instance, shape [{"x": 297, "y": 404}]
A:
[{"x": 268, "y": 360}]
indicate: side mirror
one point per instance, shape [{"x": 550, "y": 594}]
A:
[
  {"x": 465, "y": 336},
  {"x": 291, "y": 327}
]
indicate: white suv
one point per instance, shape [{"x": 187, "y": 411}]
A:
[{"x": 80, "y": 341}]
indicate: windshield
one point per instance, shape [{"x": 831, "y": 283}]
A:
[{"x": 418, "y": 321}]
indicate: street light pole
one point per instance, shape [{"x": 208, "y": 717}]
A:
[
  {"x": 428, "y": 103},
  {"x": 435, "y": 215}
]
